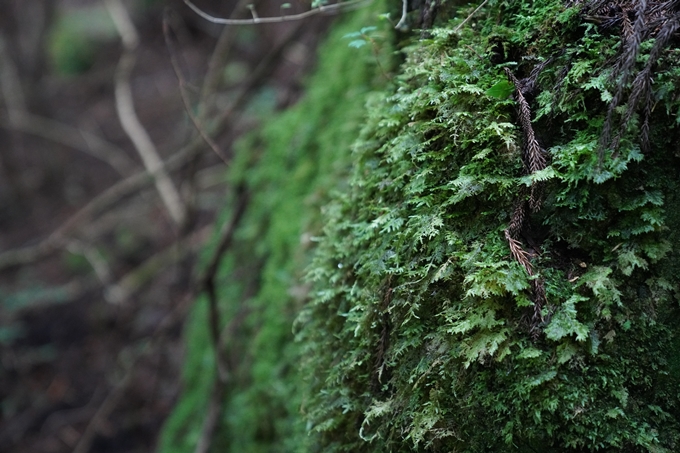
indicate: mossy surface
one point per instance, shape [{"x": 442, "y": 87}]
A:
[{"x": 468, "y": 298}]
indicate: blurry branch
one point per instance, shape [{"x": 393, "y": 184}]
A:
[
  {"x": 98, "y": 264},
  {"x": 263, "y": 68},
  {"x": 57, "y": 239},
  {"x": 109, "y": 404},
  {"x": 114, "y": 397},
  {"x": 206, "y": 282},
  {"x": 401, "y": 25},
  {"x": 470, "y": 16},
  {"x": 326, "y": 9},
  {"x": 129, "y": 120},
  {"x": 70, "y": 136},
  {"x": 133, "y": 281},
  {"x": 98, "y": 204},
  {"x": 217, "y": 62},
  {"x": 185, "y": 98},
  {"x": 10, "y": 83}
]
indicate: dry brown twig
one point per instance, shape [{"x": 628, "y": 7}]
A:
[{"x": 470, "y": 16}]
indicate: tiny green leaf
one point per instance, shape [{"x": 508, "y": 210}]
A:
[
  {"x": 501, "y": 90},
  {"x": 357, "y": 43}
]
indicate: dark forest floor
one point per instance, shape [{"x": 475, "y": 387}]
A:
[{"x": 91, "y": 325}]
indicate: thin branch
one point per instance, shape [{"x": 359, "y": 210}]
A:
[
  {"x": 104, "y": 410},
  {"x": 132, "y": 184},
  {"x": 207, "y": 280},
  {"x": 325, "y": 9},
  {"x": 217, "y": 61},
  {"x": 94, "y": 258},
  {"x": 212, "y": 418},
  {"x": 260, "y": 72},
  {"x": 98, "y": 204},
  {"x": 128, "y": 117},
  {"x": 72, "y": 137},
  {"x": 115, "y": 395},
  {"x": 185, "y": 99},
  {"x": 134, "y": 280},
  {"x": 401, "y": 25}
]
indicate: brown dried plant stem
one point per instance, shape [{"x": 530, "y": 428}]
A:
[{"x": 534, "y": 161}]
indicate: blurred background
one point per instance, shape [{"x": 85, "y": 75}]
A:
[{"x": 97, "y": 258}]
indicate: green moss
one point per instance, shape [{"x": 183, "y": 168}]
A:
[
  {"x": 426, "y": 332},
  {"x": 288, "y": 168}
]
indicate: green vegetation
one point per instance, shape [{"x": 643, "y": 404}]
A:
[
  {"x": 500, "y": 270},
  {"x": 288, "y": 168}
]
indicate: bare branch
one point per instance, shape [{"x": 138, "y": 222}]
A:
[
  {"x": 72, "y": 137},
  {"x": 470, "y": 16},
  {"x": 134, "y": 280},
  {"x": 115, "y": 395},
  {"x": 185, "y": 99},
  {"x": 128, "y": 117},
  {"x": 217, "y": 62},
  {"x": 401, "y": 25},
  {"x": 324, "y": 9},
  {"x": 98, "y": 204},
  {"x": 134, "y": 183}
]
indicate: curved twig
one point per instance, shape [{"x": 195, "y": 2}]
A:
[{"x": 324, "y": 9}]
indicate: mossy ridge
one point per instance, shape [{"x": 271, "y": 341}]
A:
[
  {"x": 420, "y": 333},
  {"x": 288, "y": 167}
]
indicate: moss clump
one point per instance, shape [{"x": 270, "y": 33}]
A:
[{"x": 501, "y": 273}]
